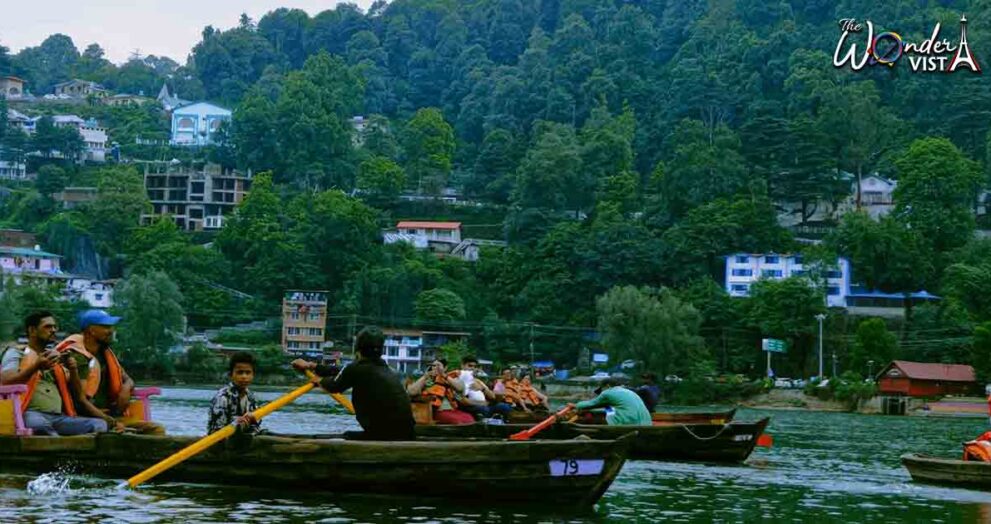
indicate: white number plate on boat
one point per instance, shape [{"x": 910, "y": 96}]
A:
[
  {"x": 742, "y": 438},
  {"x": 574, "y": 467}
]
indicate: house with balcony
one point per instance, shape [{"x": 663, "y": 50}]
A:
[
  {"x": 304, "y": 321},
  {"x": 196, "y": 124},
  {"x": 411, "y": 350}
]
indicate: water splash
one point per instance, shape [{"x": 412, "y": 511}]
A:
[{"x": 49, "y": 484}]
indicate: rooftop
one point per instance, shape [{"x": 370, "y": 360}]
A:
[
  {"x": 26, "y": 252},
  {"x": 932, "y": 371},
  {"x": 413, "y": 224}
]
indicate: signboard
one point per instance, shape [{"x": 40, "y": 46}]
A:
[
  {"x": 600, "y": 358},
  {"x": 773, "y": 345}
]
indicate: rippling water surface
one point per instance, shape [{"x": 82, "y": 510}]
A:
[{"x": 824, "y": 467}]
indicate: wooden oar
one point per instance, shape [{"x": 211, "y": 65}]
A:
[
  {"x": 546, "y": 423},
  {"x": 215, "y": 437},
  {"x": 341, "y": 399}
]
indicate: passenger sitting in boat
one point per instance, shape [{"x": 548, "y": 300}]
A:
[
  {"x": 435, "y": 388},
  {"x": 108, "y": 387},
  {"x": 235, "y": 402},
  {"x": 649, "y": 391},
  {"x": 507, "y": 389},
  {"x": 473, "y": 395},
  {"x": 381, "y": 403},
  {"x": 533, "y": 398},
  {"x": 50, "y": 403},
  {"x": 627, "y": 407}
]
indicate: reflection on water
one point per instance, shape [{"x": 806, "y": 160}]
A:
[{"x": 824, "y": 467}]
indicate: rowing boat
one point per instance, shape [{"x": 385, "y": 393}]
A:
[
  {"x": 571, "y": 472},
  {"x": 934, "y": 470},
  {"x": 732, "y": 442}
]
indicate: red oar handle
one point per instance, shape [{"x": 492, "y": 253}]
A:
[{"x": 546, "y": 423}]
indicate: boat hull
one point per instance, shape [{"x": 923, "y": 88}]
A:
[
  {"x": 933, "y": 470},
  {"x": 659, "y": 419},
  {"x": 726, "y": 443},
  {"x": 509, "y": 471}
]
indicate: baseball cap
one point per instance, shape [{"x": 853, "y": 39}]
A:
[{"x": 96, "y": 317}]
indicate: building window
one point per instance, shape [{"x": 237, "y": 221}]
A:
[
  {"x": 773, "y": 273},
  {"x": 740, "y": 288},
  {"x": 742, "y": 272},
  {"x": 771, "y": 259},
  {"x": 392, "y": 352},
  {"x": 185, "y": 123},
  {"x": 798, "y": 273},
  {"x": 742, "y": 259},
  {"x": 797, "y": 260},
  {"x": 98, "y": 296},
  {"x": 413, "y": 352},
  {"x": 316, "y": 332},
  {"x": 832, "y": 291},
  {"x": 834, "y": 274}
]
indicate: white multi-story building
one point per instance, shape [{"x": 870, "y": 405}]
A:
[{"x": 743, "y": 269}]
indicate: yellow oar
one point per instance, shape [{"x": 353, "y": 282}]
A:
[
  {"x": 341, "y": 399},
  {"x": 215, "y": 437}
]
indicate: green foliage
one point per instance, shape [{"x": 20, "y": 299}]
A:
[
  {"x": 51, "y": 179},
  {"x": 151, "y": 307},
  {"x": 381, "y": 179},
  {"x": 120, "y": 201},
  {"x": 980, "y": 352},
  {"x": 873, "y": 343},
  {"x": 453, "y": 352},
  {"x": 650, "y": 326},
  {"x": 786, "y": 309},
  {"x": 852, "y": 390},
  {"x": 439, "y": 305},
  {"x": 429, "y": 150},
  {"x": 936, "y": 191}
]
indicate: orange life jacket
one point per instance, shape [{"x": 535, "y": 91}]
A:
[
  {"x": 61, "y": 382},
  {"x": 511, "y": 390},
  {"x": 528, "y": 394},
  {"x": 115, "y": 372},
  {"x": 438, "y": 391},
  {"x": 979, "y": 449}
]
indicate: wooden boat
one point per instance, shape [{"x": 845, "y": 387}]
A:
[
  {"x": 668, "y": 418},
  {"x": 933, "y": 470},
  {"x": 731, "y": 442},
  {"x": 571, "y": 472}
]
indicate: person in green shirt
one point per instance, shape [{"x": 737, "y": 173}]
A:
[{"x": 628, "y": 408}]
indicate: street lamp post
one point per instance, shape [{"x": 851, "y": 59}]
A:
[
  {"x": 820, "y": 317},
  {"x": 870, "y": 370}
]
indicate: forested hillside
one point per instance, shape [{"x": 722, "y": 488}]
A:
[{"x": 623, "y": 143}]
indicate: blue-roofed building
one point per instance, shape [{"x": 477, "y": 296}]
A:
[{"x": 196, "y": 124}]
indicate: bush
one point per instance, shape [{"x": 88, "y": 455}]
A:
[{"x": 851, "y": 390}]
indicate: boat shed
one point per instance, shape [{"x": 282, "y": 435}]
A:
[{"x": 920, "y": 379}]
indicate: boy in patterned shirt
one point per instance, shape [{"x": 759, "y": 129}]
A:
[{"x": 234, "y": 402}]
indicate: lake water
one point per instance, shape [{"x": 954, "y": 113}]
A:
[{"x": 823, "y": 467}]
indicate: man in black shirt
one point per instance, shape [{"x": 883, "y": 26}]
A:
[{"x": 381, "y": 403}]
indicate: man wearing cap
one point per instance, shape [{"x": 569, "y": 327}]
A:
[
  {"x": 627, "y": 407},
  {"x": 108, "y": 387}
]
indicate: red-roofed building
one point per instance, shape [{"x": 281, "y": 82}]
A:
[
  {"x": 433, "y": 231},
  {"x": 919, "y": 379}
]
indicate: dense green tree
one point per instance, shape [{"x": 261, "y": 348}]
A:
[
  {"x": 704, "y": 166},
  {"x": 49, "y": 63},
  {"x": 120, "y": 201},
  {"x": 550, "y": 176},
  {"x": 652, "y": 327},
  {"x": 51, "y": 179},
  {"x": 936, "y": 191},
  {"x": 439, "y": 305},
  {"x": 381, "y": 179},
  {"x": 786, "y": 309},
  {"x": 152, "y": 321},
  {"x": 60, "y": 141},
  {"x": 873, "y": 343},
  {"x": 428, "y": 145}
]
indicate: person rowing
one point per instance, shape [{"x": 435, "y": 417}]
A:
[{"x": 381, "y": 403}]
